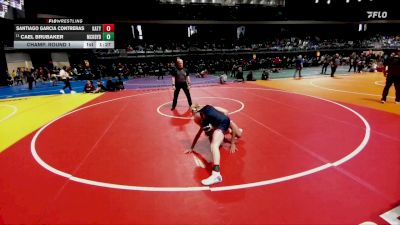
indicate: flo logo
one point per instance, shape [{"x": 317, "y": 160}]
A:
[{"x": 377, "y": 14}]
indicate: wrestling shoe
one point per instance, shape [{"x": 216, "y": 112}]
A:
[
  {"x": 62, "y": 91},
  {"x": 213, "y": 179}
]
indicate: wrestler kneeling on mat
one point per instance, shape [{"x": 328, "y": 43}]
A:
[{"x": 214, "y": 121}]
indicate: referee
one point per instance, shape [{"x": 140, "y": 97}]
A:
[{"x": 180, "y": 80}]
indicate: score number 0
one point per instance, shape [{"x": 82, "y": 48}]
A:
[
  {"x": 108, "y": 27},
  {"x": 108, "y": 32}
]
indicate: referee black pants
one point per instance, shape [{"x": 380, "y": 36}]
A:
[
  {"x": 389, "y": 81},
  {"x": 178, "y": 87}
]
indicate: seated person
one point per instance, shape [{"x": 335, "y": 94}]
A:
[
  {"x": 223, "y": 78},
  {"x": 203, "y": 74},
  {"x": 119, "y": 85},
  {"x": 373, "y": 67},
  {"x": 89, "y": 87},
  {"x": 100, "y": 87},
  {"x": 110, "y": 85},
  {"x": 239, "y": 75},
  {"x": 265, "y": 75},
  {"x": 250, "y": 77}
]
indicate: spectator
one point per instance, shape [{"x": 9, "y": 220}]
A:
[
  {"x": 298, "y": 66},
  {"x": 239, "y": 75},
  {"x": 100, "y": 87},
  {"x": 250, "y": 76},
  {"x": 223, "y": 78},
  {"x": 66, "y": 78},
  {"x": 119, "y": 85},
  {"x": 110, "y": 86},
  {"x": 89, "y": 87},
  {"x": 265, "y": 75}
]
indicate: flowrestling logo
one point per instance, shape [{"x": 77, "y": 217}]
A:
[{"x": 377, "y": 14}]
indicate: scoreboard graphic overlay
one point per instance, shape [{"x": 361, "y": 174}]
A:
[{"x": 64, "y": 36}]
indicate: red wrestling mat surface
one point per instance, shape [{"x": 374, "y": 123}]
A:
[{"x": 119, "y": 160}]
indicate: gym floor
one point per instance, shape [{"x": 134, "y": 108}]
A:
[{"x": 319, "y": 150}]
